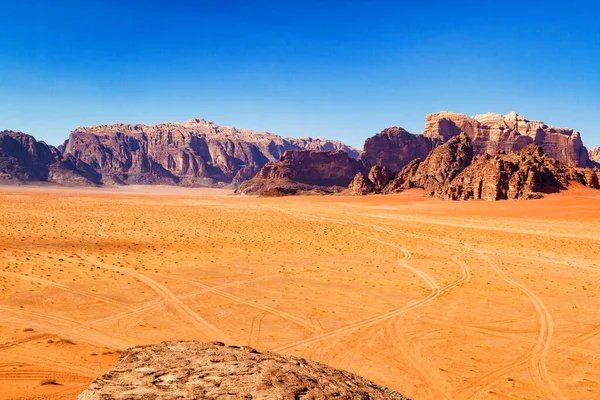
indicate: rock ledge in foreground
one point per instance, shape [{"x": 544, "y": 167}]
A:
[{"x": 195, "y": 370}]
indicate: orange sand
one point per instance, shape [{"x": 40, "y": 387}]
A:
[{"x": 436, "y": 299}]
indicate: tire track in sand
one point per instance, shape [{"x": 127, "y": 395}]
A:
[
  {"x": 210, "y": 331},
  {"x": 292, "y": 318},
  {"x": 371, "y": 320},
  {"x": 394, "y": 333},
  {"x": 537, "y": 358}
]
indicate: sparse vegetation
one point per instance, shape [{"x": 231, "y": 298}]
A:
[{"x": 48, "y": 381}]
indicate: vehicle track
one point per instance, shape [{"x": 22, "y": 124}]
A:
[
  {"x": 208, "y": 330},
  {"x": 433, "y": 221},
  {"x": 537, "y": 359},
  {"x": 394, "y": 332},
  {"x": 17, "y": 342},
  {"x": 64, "y": 287},
  {"x": 371, "y": 320},
  {"x": 289, "y": 317}
]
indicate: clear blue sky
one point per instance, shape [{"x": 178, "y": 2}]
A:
[{"x": 336, "y": 69}]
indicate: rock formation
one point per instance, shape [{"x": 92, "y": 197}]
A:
[
  {"x": 452, "y": 172},
  {"x": 303, "y": 171},
  {"x": 494, "y": 133},
  {"x": 361, "y": 185},
  {"x": 23, "y": 159},
  {"x": 440, "y": 167},
  {"x": 323, "y": 145},
  {"x": 394, "y": 148},
  {"x": 525, "y": 174},
  {"x": 594, "y": 155},
  {"x": 193, "y": 370},
  {"x": 489, "y": 133},
  {"x": 194, "y": 153}
]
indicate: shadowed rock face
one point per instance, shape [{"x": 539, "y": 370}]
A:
[
  {"x": 494, "y": 133},
  {"x": 439, "y": 168},
  {"x": 525, "y": 174},
  {"x": 303, "y": 171},
  {"x": 23, "y": 159},
  {"x": 194, "y": 153},
  {"x": 451, "y": 172},
  {"x": 193, "y": 370},
  {"x": 394, "y": 148}
]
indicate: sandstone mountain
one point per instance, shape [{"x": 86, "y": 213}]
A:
[
  {"x": 394, "y": 148},
  {"x": 193, "y": 153},
  {"x": 452, "y": 172},
  {"x": 489, "y": 133},
  {"x": 301, "y": 171},
  {"x": 23, "y": 159},
  {"x": 494, "y": 133},
  {"x": 440, "y": 167},
  {"x": 526, "y": 174},
  {"x": 193, "y": 370}
]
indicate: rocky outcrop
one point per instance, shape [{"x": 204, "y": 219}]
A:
[
  {"x": 494, "y": 133},
  {"x": 193, "y": 153},
  {"x": 452, "y": 172},
  {"x": 526, "y": 174},
  {"x": 193, "y": 370},
  {"x": 301, "y": 171},
  {"x": 23, "y": 159},
  {"x": 394, "y": 148},
  {"x": 361, "y": 185},
  {"x": 440, "y": 167}
]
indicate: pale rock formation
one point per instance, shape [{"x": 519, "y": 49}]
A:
[
  {"x": 193, "y": 370},
  {"x": 494, "y": 133}
]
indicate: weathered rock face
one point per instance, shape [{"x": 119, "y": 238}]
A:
[
  {"x": 494, "y": 133},
  {"x": 452, "y": 172},
  {"x": 594, "y": 155},
  {"x": 441, "y": 166},
  {"x": 526, "y": 174},
  {"x": 303, "y": 171},
  {"x": 361, "y": 185},
  {"x": 323, "y": 145},
  {"x": 394, "y": 148},
  {"x": 377, "y": 180},
  {"x": 194, "y": 153},
  {"x": 24, "y": 159},
  {"x": 193, "y": 370}
]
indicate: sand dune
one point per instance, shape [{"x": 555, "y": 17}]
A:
[{"x": 435, "y": 299}]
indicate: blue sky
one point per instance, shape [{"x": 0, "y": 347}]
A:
[{"x": 336, "y": 69}]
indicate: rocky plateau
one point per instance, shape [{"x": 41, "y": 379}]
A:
[{"x": 194, "y": 370}]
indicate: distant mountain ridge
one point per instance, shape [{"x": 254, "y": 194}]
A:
[
  {"x": 200, "y": 153},
  {"x": 194, "y": 153}
]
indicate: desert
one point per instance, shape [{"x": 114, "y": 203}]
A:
[{"x": 432, "y": 298}]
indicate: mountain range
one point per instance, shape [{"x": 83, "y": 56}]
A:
[{"x": 199, "y": 153}]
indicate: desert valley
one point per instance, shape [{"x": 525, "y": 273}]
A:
[
  {"x": 371, "y": 262},
  {"x": 435, "y": 299}
]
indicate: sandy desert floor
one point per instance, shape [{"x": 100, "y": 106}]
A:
[{"x": 438, "y": 300}]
